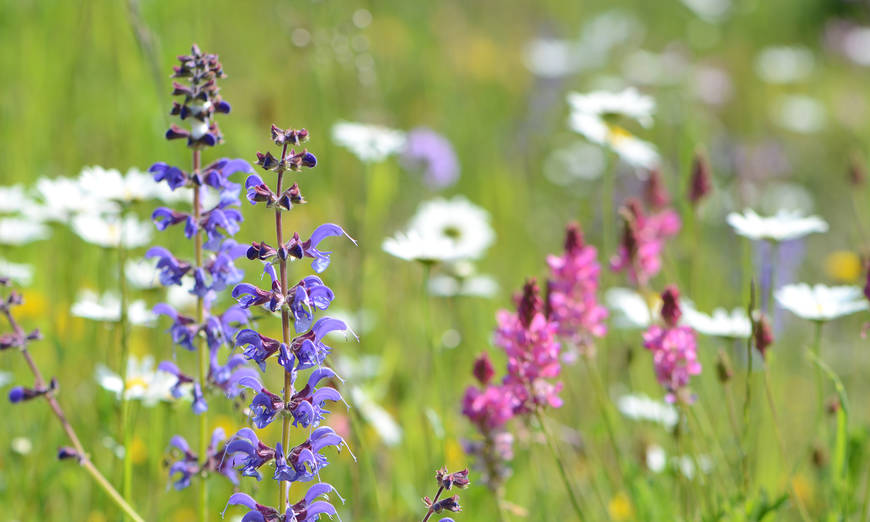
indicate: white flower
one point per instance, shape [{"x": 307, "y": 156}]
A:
[
  {"x": 443, "y": 230},
  {"x": 142, "y": 273},
  {"x": 820, "y": 302},
  {"x": 379, "y": 418},
  {"x": 784, "y": 64},
  {"x": 641, "y": 407},
  {"x": 656, "y": 458},
  {"x": 107, "y": 307},
  {"x": 18, "y": 231},
  {"x": 783, "y": 226},
  {"x": 628, "y": 102},
  {"x": 107, "y": 231},
  {"x": 63, "y": 198},
  {"x": 630, "y": 309},
  {"x": 369, "y": 143},
  {"x": 720, "y": 324},
  {"x": 588, "y": 118},
  {"x": 798, "y": 113},
  {"x": 111, "y": 185},
  {"x": 20, "y": 273},
  {"x": 144, "y": 382},
  {"x": 22, "y": 445},
  {"x": 14, "y": 200},
  {"x": 5, "y": 378},
  {"x": 709, "y": 10},
  {"x": 179, "y": 296}
]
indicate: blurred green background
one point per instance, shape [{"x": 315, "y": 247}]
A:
[{"x": 87, "y": 83}]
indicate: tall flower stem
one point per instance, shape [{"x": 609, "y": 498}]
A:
[
  {"x": 747, "y": 400},
  {"x": 607, "y": 218},
  {"x": 123, "y": 324},
  {"x": 202, "y": 353},
  {"x": 820, "y": 378},
  {"x": 561, "y": 465},
  {"x": 83, "y": 459},
  {"x": 781, "y": 445},
  {"x": 432, "y": 369},
  {"x": 285, "y": 327}
]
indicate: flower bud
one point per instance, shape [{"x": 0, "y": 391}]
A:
[
  {"x": 701, "y": 183},
  {"x": 671, "y": 312},
  {"x": 483, "y": 370}
]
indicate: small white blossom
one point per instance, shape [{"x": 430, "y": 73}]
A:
[
  {"x": 111, "y": 185},
  {"x": 380, "y": 419},
  {"x": 14, "y": 200},
  {"x": 820, "y": 302},
  {"x": 721, "y": 323},
  {"x": 142, "y": 273},
  {"x": 630, "y": 309},
  {"x": 63, "y": 198},
  {"x": 108, "y": 231},
  {"x": 783, "y": 226},
  {"x": 369, "y": 143},
  {"x": 641, "y": 407},
  {"x": 628, "y": 102},
  {"x": 107, "y": 308},
  {"x": 20, "y": 273},
  {"x": 18, "y": 231},
  {"x": 144, "y": 382}
]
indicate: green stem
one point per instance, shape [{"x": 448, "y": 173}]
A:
[
  {"x": 561, "y": 465},
  {"x": 865, "y": 514},
  {"x": 201, "y": 352},
  {"x": 746, "y": 414},
  {"x": 603, "y": 403},
  {"x": 820, "y": 378},
  {"x": 123, "y": 324},
  {"x": 781, "y": 445},
  {"x": 109, "y": 490},
  {"x": 607, "y": 217}
]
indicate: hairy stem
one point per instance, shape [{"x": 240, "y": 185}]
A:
[
  {"x": 84, "y": 460},
  {"x": 201, "y": 351},
  {"x": 285, "y": 330}
]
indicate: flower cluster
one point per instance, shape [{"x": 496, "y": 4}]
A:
[
  {"x": 446, "y": 482},
  {"x": 674, "y": 349},
  {"x": 210, "y": 272},
  {"x": 305, "y": 405},
  {"x": 643, "y": 239},
  {"x": 572, "y": 300},
  {"x": 529, "y": 339}
]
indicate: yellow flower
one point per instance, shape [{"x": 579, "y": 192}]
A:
[
  {"x": 138, "y": 450},
  {"x": 620, "y": 508},
  {"x": 843, "y": 266}
]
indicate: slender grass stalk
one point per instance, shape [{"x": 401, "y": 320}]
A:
[
  {"x": 202, "y": 353},
  {"x": 124, "y": 326},
  {"x": 820, "y": 378},
  {"x": 608, "y": 223},
  {"x": 561, "y": 465},
  {"x": 604, "y": 405},
  {"x": 781, "y": 445},
  {"x": 865, "y": 512},
  {"x": 432, "y": 370},
  {"x": 83, "y": 458}
]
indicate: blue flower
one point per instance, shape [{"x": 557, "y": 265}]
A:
[
  {"x": 171, "y": 269},
  {"x": 259, "y": 347},
  {"x": 174, "y": 176},
  {"x": 183, "y": 329},
  {"x": 306, "y": 405},
  {"x": 309, "y": 348},
  {"x": 309, "y": 293},
  {"x": 250, "y": 453}
]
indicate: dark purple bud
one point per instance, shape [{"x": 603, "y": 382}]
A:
[
  {"x": 447, "y": 480},
  {"x": 530, "y": 303},
  {"x": 66, "y": 452},
  {"x": 175, "y": 132},
  {"x": 655, "y": 194},
  {"x": 277, "y": 135},
  {"x": 445, "y": 504},
  {"x": 308, "y": 160},
  {"x": 260, "y": 251},
  {"x": 671, "y": 306},
  {"x": 483, "y": 370},
  {"x": 762, "y": 336},
  {"x": 573, "y": 238},
  {"x": 701, "y": 183},
  {"x": 222, "y": 106},
  {"x": 291, "y": 196},
  {"x": 267, "y": 161}
]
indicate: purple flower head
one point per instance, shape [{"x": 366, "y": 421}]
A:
[
  {"x": 256, "y": 513},
  {"x": 171, "y": 268},
  {"x": 260, "y": 251},
  {"x": 199, "y": 404},
  {"x": 251, "y": 454},
  {"x": 309, "y": 349},
  {"x": 200, "y": 99},
  {"x": 259, "y": 192},
  {"x": 259, "y": 347},
  {"x": 309, "y": 508},
  {"x": 249, "y": 295},
  {"x": 304, "y": 462},
  {"x": 174, "y": 176},
  {"x": 306, "y": 405},
  {"x": 309, "y": 248},
  {"x": 427, "y": 150},
  {"x": 216, "y": 175},
  {"x": 183, "y": 329},
  {"x": 309, "y": 294},
  {"x": 291, "y": 196},
  {"x": 189, "y": 464},
  {"x": 265, "y": 404},
  {"x": 164, "y": 217},
  {"x": 217, "y": 222}
]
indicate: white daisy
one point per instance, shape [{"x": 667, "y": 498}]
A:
[
  {"x": 628, "y": 102},
  {"x": 820, "y": 302},
  {"x": 107, "y": 308},
  {"x": 18, "y": 231},
  {"x": 656, "y": 458},
  {"x": 20, "y": 273},
  {"x": 459, "y": 222},
  {"x": 720, "y": 324},
  {"x": 142, "y": 273},
  {"x": 144, "y": 382},
  {"x": 589, "y": 118},
  {"x": 369, "y": 143},
  {"x": 62, "y": 198},
  {"x": 630, "y": 309},
  {"x": 412, "y": 246},
  {"x": 784, "y": 64},
  {"x": 785, "y": 225},
  {"x": 641, "y": 407},
  {"x": 111, "y": 185},
  {"x": 107, "y": 231},
  {"x": 13, "y": 200}
]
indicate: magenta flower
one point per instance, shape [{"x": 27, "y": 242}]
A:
[
  {"x": 642, "y": 242},
  {"x": 674, "y": 348},
  {"x": 572, "y": 300},
  {"x": 529, "y": 340}
]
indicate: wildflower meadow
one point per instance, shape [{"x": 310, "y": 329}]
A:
[{"x": 435, "y": 261}]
